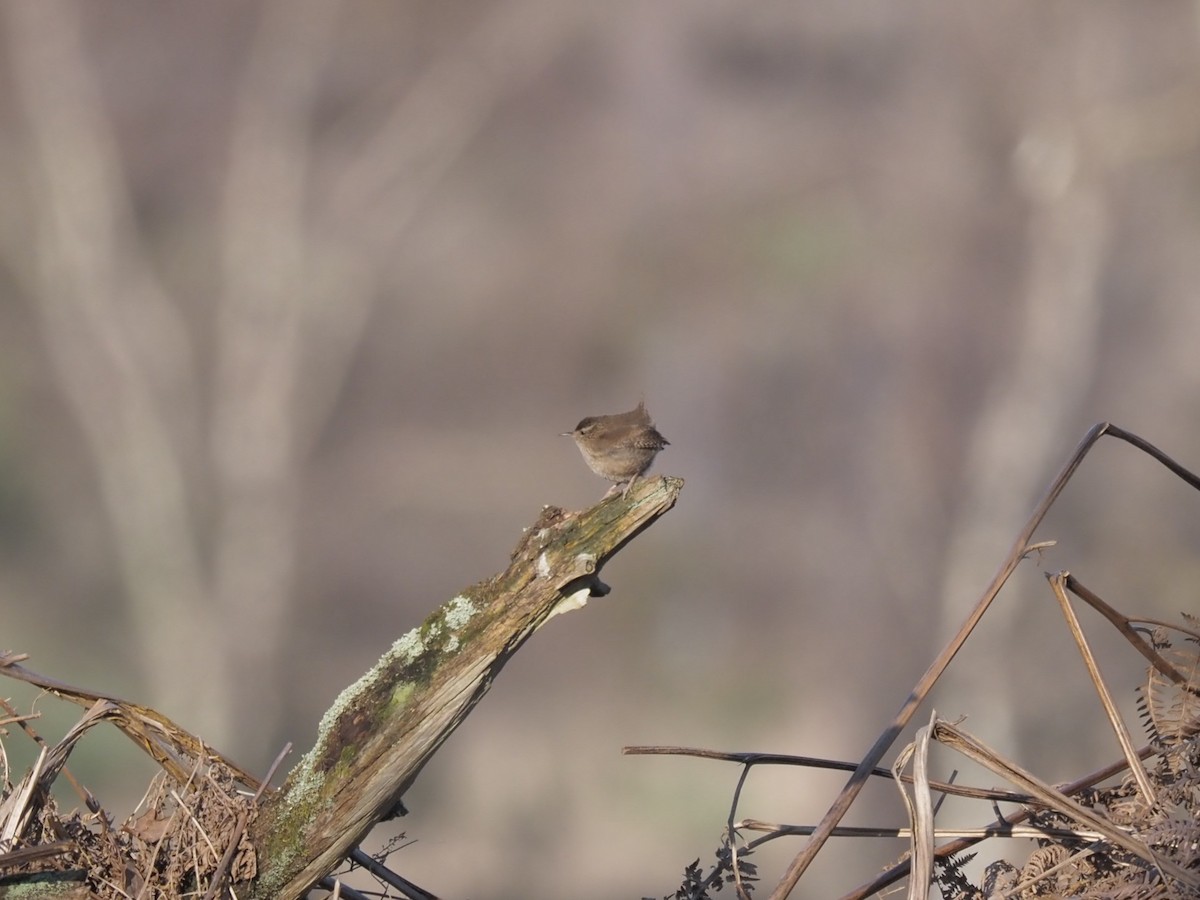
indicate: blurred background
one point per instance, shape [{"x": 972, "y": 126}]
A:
[{"x": 296, "y": 297}]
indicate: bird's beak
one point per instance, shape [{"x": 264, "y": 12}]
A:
[{"x": 566, "y": 433}]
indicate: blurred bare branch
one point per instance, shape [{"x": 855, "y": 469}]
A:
[
  {"x": 120, "y": 351},
  {"x": 386, "y": 182},
  {"x": 259, "y": 339},
  {"x": 1044, "y": 379}
]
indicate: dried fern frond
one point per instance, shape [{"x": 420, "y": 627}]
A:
[{"x": 1170, "y": 710}]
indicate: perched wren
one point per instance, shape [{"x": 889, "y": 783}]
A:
[{"x": 619, "y": 447}]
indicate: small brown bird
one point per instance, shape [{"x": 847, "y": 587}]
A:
[{"x": 619, "y": 447}]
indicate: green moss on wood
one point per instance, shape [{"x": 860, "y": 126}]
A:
[
  {"x": 285, "y": 842},
  {"x": 362, "y": 709}
]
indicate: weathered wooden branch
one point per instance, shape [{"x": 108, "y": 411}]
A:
[
  {"x": 382, "y": 730},
  {"x": 373, "y": 741}
]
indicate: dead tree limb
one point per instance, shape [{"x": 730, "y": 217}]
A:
[{"x": 382, "y": 730}]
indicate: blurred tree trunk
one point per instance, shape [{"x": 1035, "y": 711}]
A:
[{"x": 200, "y": 456}]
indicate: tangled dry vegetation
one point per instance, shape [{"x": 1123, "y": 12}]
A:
[
  {"x": 186, "y": 837},
  {"x": 1130, "y": 830},
  {"x": 1136, "y": 838}
]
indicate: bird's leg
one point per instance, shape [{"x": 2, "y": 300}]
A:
[{"x": 628, "y": 485}]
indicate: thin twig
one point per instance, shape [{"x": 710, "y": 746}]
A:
[
  {"x": 1124, "y": 624},
  {"x": 1110, "y": 707},
  {"x": 387, "y": 876},
  {"x": 218, "y": 876},
  {"x": 772, "y": 830},
  {"x": 731, "y": 836},
  {"x": 287, "y": 748},
  {"x": 1174, "y": 626},
  {"x": 782, "y": 759},
  {"x": 331, "y": 884}
]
